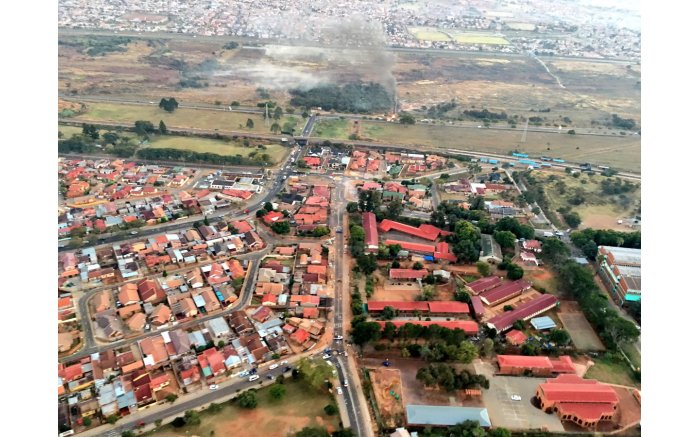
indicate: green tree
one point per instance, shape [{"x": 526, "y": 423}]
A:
[
  {"x": 248, "y": 399},
  {"x": 113, "y": 419},
  {"x": 505, "y": 238},
  {"x": 249, "y": 124},
  {"x": 351, "y": 207},
  {"x": 560, "y": 337},
  {"x": 192, "y": 418},
  {"x": 417, "y": 265},
  {"x": 487, "y": 347},
  {"x": 572, "y": 219},
  {"x": 394, "y": 209},
  {"x": 143, "y": 128},
  {"x": 483, "y": 268},
  {"x": 128, "y": 434},
  {"x": 499, "y": 432},
  {"x": 365, "y": 332},
  {"x": 281, "y": 227},
  {"x": 389, "y": 313},
  {"x": 277, "y": 392},
  {"x": 467, "y": 352},
  {"x": 406, "y": 118},
  {"x": 279, "y": 112},
  {"x": 268, "y": 206},
  {"x": 214, "y": 408},
  {"x": 110, "y": 137},
  {"x": 367, "y": 263},
  {"x": 275, "y": 128},
  {"x": 87, "y": 421},
  {"x": 315, "y": 431},
  {"x": 514, "y": 271},
  {"x": 169, "y": 104},
  {"x": 314, "y": 374},
  {"x": 466, "y": 241},
  {"x": 330, "y": 409},
  {"x": 172, "y": 397},
  {"x": 162, "y": 128},
  {"x": 554, "y": 251}
]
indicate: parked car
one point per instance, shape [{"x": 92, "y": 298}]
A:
[
  {"x": 213, "y": 387},
  {"x": 386, "y": 363},
  {"x": 340, "y": 391},
  {"x": 134, "y": 232},
  {"x": 274, "y": 366},
  {"x": 326, "y": 356},
  {"x": 338, "y": 337},
  {"x": 253, "y": 377},
  {"x": 283, "y": 363},
  {"x": 516, "y": 397},
  {"x": 345, "y": 383}
]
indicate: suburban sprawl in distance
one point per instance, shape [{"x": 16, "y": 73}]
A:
[{"x": 403, "y": 218}]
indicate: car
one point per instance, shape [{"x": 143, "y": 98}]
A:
[
  {"x": 253, "y": 377},
  {"x": 134, "y": 232},
  {"x": 326, "y": 356},
  {"x": 253, "y": 370},
  {"x": 270, "y": 377},
  {"x": 274, "y": 366},
  {"x": 338, "y": 337},
  {"x": 345, "y": 353},
  {"x": 345, "y": 383},
  {"x": 386, "y": 363},
  {"x": 213, "y": 387},
  {"x": 340, "y": 391},
  {"x": 243, "y": 374},
  {"x": 559, "y": 233},
  {"x": 516, "y": 397},
  {"x": 283, "y": 363},
  {"x": 287, "y": 369}
]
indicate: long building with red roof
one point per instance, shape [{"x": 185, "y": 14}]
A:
[
  {"x": 536, "y": 366},
  {"x": 504, "y": 292},
  {"x": 407, "y": 274},
  {"x": 525, "y": 311},
  {"x": 369, "y": 223},
  {"x": 465, "y": 325},
  {"x": 584, "y": 402},
  {"x": 480, "y": 285},
  {"x": 449, "y": 308},
  {"x": 412, "y": 247},
  {"x": 425, "y": 231}
]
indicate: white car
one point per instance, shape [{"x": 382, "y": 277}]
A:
[
  {"x": 345, "y": 383},
  {"x": 516, "y": 397},
  {"x": 284, "y": 362},
  {"x": 253, "y": 377},
  {"x": 338, "y": 337},
  {"x": 340, "y": 391},
  {"x": 134, "y": 232},
  {"x": 274, "y": 366},
  {"x": 213, "y": 387},
  {"x": 326, "y": 356}
]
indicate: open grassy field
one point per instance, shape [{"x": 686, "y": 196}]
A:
[
  {"x": 598, "y": 211},
  {"x": 478, "y": 38},
  {"x": 622, "y": 152},
  {"x": 338, "y": 129},
  {"x": 429, "y": 34},
  {"x": 182, "y": 117},
  {"x": 613, "y": 372},
  {"x": 300, "y": 407},
  {"x": 220, "y": 147}
]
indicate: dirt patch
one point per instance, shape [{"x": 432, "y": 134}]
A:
[
  {"x": 406, "y": 292},
  {"x": 386, "y": 384}
]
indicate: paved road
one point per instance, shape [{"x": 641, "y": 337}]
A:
[{"x": 309, "y": 127}]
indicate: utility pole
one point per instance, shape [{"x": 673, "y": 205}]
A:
[{"x": 522, "y": 139}]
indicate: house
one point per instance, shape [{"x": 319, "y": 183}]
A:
[
  {"x": 136, "y": 322},
  {"x": 432, "y": 415},
  {"x": 490, "y": 250},
  {"x": 240, "y": 226},
  {"x": 477, "y": 308},
  {"x": 515, "y": 337},
  {"x": 310, "y": 313},
  {"x": 300, "y": 336},
  {"x": 585, "y": 402},
  {"x": 184, "y": 307},
  {"x": 240, "y": 323},
  {"x": 448, "y": 309},
  {"x": 405, "y": 308},
  {"x": 272, "y": 217},
  {"x": 235, "y": 268},
  {"x": 150, "y": 291},
  {"x": 212, "y": 363},
  {"x": 227, "y": 294},
  {"x": 206, "y": 299},
  {"x": 369, "y": 223},
  {"x": 543, "y": 323},
  {"x": 268, "y": 288},
  {"x": 312, "y": 161},
  {"x": 504, "y": 292},
  {"x": 516, "y": 365},
  {"x": 218, "y": 328},
  {"x": 304, "y": 300},
  {"x": 154, "y": 351},
  {"x": 524, "y": 311},
  {"x": 189, "y": 374},
  {"x": 532, "y": 245},
  {"x": 413, "y": 247},
  {"x": 261, "y": 314},
  {"x": 109, "y": 324},
  {"x": 160, "y": 315},
  {"x": 179, "y": 343},
  {"x": 102, "y": 301},
  {"x": 529, "y": 258}
]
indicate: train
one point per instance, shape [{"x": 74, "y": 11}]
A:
[
  {"x": 493, "y": 161},
  {"x": 545, "y": 158},
  {"x": 558, "y": 160},
  {"x": 520, "y": 155},
  {"x": 544, "y": 164},
  {"x": 527, "y": 162}
]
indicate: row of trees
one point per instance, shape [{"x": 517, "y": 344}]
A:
[
  {"x": 471, "y": 428},
  {"x": 447, "y": 378},
  {"x": 198, "y": 157},
  {"x": 357, "y": 97}
]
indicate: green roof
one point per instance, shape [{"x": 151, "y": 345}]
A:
[
  {"x": 395, "y": 169},
  {"x": 417, "y": 187},
  {"x": 392, "y": 194}
]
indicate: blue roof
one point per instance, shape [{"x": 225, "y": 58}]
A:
[
  {"x": 445, "y": 416},
  {"x": 199, "y": 300},
  {"x": 541, "y": 323},
  {"x": 127, "y": 400}
]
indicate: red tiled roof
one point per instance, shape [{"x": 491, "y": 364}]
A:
[
  {"x": 478, "y": 307},
  {"x": 563, "y": 365},
  {"x": 448, "y": 307},
  {"x": 415, "y": 247},
  {"x": 312, "y": 160},
  {"x": 465, "y": 325},
  {"x": 428, "y": 232},
  {"x": 523, "y": 312},
  {"x": 442, "y": 251},
  {"x": 269, "y": 298},
  {"x": 573, "y": 389},
  {"x": 524, "y": 362},
  {"x": 242, "y": 226},
  {"x": 505, "y": 291},
  {"x": 532, "y": 244},
  {"x": 300, "y": 336},
  {"x": 515, "y": 337},
  {"x": 483, "y": 284},
  {"x": 310, "y": 313},
  {"x": 407, "y": 274},
  {"x": 399, "y": 305},
  {"x": 272, "y": 217},
  {"x": 369, "y": 223}
]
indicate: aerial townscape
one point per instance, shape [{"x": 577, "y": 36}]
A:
[{"x": 313, "y": 219}]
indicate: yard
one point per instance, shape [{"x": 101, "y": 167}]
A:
[
  {"x": 584, "y": 195},
  {"x": 300, "y": 407},
  {"x": 220, "y": 147},
  {"x": 337, "y": 128},
  {"x": 209, "y": 119},
  {"x": 429, "y": 34},
  {"x": 542, "y": 279},
  {"x": 581, "y": 332},
  {"x": 612, "y": 372}
]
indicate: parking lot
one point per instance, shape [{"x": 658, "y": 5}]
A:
[{"x": 507, "y": 413}]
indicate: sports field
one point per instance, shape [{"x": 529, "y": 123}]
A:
[
  {"x": 478, "y": 38},
  {"x": 429, "y": 34},
  {"x": 220, "y": 147},
  {"x": 209, "y": 119}
]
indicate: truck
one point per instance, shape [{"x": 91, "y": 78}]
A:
[
  {"x": 493, "y": 161},
  {"x": 547, "y": 234}
]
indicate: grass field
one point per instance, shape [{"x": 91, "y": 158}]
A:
[
  {"x": 338, "y": 129},
  {"x": 220, "y": 147},
  {"x": 623, "y": 152},
  {"x": 182, "y": 117},
  {"x": 598, "y": 211},
  {"x": 300, "y": 407},
  {"x": 476, "y": 38},
  {"x": 428, "y": 34},
  {"x": 613, "y": 372}
]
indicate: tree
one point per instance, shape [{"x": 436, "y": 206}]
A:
[
  {"x": 505, "y": 238},
  {"x": 467, "y": 352},
  {"x": 554, "y": 251},
  {"x": 535, "y": 211},
  {"x": 514, "y": 271},
  {"x": 560, "y": 337},
  {"x": 573, "y": 219},
  {"x": 406, "y": 118},
  {"x": 466, "y": 241},
  {"x": 113, "y": 419},
  {"x": 330, "y": 409},
  {"x": 169, "y": 104},
  {"x": 367, "y": 263},
  {"x": 142, "y": 127},
  {"x": 365, "y": 332},
  {"x": 172, "y": 397},
  {"x": 395, "y": 264},
  {"x": 248, "y": 400},
  {"x": 487, "y": 347},
  {"x": 305, "y": 114},
  {"x": 309, "y": 431},
  {"x": 351, "y": 207},
  {"x": 162, "y": 128},
  {"x": 571, "y": 132},
  {"x": 268, "y": 206},
  {"x": 129, "y": 433},
  {"x": 221, "y": 344},
  {"x": 278, "y": 113},
  {"x": 214, "y": 408},
  {"x": 320, "y": 231},
  {"x": 87, "y": 421},
  {"x": 389, "y": 313},
  {"x": 259, "y": 213},
  {"x": 417, "y": 265},
  {"x": 281, "y": 227},
  {"x": 499, "y": 432},
  {"x": 483, "y": 268},
  {"x": 389, "y": 331},
  {"x": 394, "y": 209},
  {"x": 192, "y": 418},
  {"x": 110, "y": 137},
  {"x": 277, "y": 392},
  {"x": 249, "y": 124},
  {"x": 275, "y": 128},
  {"x": 90, "y": 130},
  {"x": 315, "y": 374}
]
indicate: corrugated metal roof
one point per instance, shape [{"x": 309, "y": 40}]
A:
[
  {"x": 541, "y": 323},
  {"x": 445, "y": 416}
]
